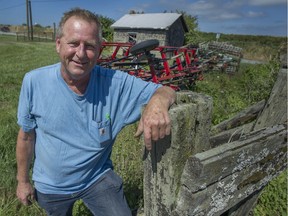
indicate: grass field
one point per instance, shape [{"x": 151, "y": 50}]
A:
[{"x": 17, "y": 58}]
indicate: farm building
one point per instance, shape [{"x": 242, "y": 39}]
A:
[{"x": 168, "y": 28}]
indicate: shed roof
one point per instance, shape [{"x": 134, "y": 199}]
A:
[{"x": 148, "y": 21}]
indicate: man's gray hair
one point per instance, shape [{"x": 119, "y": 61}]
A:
[{"x": 82, "y": 14}]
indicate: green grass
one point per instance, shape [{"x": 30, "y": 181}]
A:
[
  {"x": 273, "y": 200},
  {"x": 233, "y": 93},
  {"x": 230, "y": 95},
  {"x": 17, "y": 58}
]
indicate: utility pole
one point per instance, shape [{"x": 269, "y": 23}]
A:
[
  {"x": 27, "y": 16},
  {"x": 31, "y": 22},
  {"x": 54, "y": 31}
]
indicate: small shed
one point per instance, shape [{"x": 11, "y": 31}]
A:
[{"x": 168, "y": 28}]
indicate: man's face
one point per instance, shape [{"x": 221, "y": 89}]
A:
[{"x": 78, "y": 48}]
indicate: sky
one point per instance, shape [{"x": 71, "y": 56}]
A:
[{"x": 248, "y": 17}]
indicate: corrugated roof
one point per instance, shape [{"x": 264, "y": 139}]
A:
[{"x": 148, "y": 21}]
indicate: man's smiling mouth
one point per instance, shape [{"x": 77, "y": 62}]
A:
[{"x": 79, "y": 63}]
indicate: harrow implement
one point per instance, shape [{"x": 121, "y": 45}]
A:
[{"x": 170, "y": 66}]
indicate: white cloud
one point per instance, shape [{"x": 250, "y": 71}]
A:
[
  {"x": 267, "y": 2},
  {"x": 228, "y": 16},
  {"x": 215, "y": 10},
  {"x": 253, "y": 14},
  {"x": 202, "y": 5},
  {"x": 234, "y": 4},
  {"x": 233, "y": 16},
  {"x": 203, "y": 8}
]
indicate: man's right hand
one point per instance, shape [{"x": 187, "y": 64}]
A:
[
  {"x": 25, "y": 192},
  {"x": 24, "y": 155}
]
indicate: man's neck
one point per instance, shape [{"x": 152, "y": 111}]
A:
[{"x": 78, "y": 86}]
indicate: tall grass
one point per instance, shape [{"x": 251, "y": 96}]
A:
[
  {"x": 233, "y": 93},
  {"x": 230, "y": 94},
  {"x": 262, "y": 48},
  {"x": 16, "y": 59}
]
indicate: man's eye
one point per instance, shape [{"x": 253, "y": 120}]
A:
[
  {"x": 73, "y": 44},
  {"x": 90, "y": 47}
]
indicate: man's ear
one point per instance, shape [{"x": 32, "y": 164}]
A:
[{"x": 58, "y": 45}]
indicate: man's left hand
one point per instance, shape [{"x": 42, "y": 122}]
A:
[{"x": 155, "y": 122}]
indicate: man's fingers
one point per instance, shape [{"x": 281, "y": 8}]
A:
[
  {"x": 168, "y": 130},
  {"x": 161, "y": 127},
  {"x": 27, "y": 200},
  {"x": 147, "y": 139},
  {"x": 140, "y": 129},
  {"x": 168, "y": 125},
  {"x": 138, "y": 132},
  {"x": 31, "y": 198},
  {"x": 25, "y": 193},
  {"x": 154, "y": 128},
  {"x": 24, "y": 201},
  {"x": 147, "y": 135},
  {"x": 148, "y": 144}
]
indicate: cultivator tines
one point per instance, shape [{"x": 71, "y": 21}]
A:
[
  {"x": 170, "y": 66},
  {"x": 219, "y": 56}
]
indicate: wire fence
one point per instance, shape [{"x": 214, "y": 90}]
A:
[{"x": 37, "y": 36}]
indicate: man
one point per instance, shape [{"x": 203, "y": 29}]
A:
[{"x": 70, "y": 114}]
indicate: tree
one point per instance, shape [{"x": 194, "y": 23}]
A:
[
  {"x": 192, "y": 36},
  {"x": 107, "y": 31},
  {"x": 132, "y": 12},
  {"x": 37, "y": 25},
  {"x": 136, "y": 12}
]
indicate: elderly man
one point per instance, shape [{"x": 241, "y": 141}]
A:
[{"x": 70, "y": 114}]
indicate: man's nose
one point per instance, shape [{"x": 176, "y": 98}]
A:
[{"x": 81, "y": 51}]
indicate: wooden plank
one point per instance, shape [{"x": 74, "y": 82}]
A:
[
  {"x": 231, "y": 135},
  {"x": 243, "y": 117},
  {"x": 275, "y": 111},
  {"x": 246, "y": 206},
  {"x": 222, "y": 195},
  {"x": 206, "y": 168},
  {"x": 212, "y": 183}
]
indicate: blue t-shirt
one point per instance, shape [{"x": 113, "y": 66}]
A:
[{"x": 75, "y": 134}]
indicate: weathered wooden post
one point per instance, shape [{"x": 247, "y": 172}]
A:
[{"x": 164, "y": 164}]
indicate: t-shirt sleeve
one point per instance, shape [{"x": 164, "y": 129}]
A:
[
  {"x": 25, "y": 119},
  {"x": 135, "y": 94}
]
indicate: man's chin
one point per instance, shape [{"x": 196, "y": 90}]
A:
[{"x": 75, "y": 74}]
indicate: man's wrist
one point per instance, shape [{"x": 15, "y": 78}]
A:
[
  {"x": 23, "y": 180},
  {"x": 166, "y": 95}
]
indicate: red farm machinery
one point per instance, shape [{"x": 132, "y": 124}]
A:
[{"x": 170, "y": 66}]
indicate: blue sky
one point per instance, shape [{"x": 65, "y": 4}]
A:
[{"x": 253, "y": 17}]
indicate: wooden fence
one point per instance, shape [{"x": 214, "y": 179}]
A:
[{"x": 220, "y": 170}]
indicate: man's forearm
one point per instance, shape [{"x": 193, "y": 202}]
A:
[{"x": 24, "y": 154}]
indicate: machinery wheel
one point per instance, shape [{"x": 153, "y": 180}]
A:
[{"x": 144, "y": 46}]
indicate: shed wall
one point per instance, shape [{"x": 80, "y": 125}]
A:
[{"x": 122, "y": 35}]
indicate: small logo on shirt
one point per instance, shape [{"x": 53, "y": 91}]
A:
[{"x": 107, "y": 116}]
